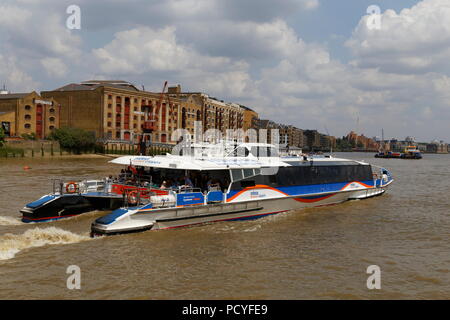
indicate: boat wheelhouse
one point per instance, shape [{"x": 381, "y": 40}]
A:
[{"x": 251, "y": 181}]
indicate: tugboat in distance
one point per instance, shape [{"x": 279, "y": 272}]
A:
[{"x": 410, "y": 152}]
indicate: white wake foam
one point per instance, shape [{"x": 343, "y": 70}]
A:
[
  {"x": 11, "y": 244},
  {"x": 9, "y": 221}
]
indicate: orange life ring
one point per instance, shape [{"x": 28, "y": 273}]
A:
[
  {"x": 75, "y": 187},
  {"x": 132, "y": 197}
]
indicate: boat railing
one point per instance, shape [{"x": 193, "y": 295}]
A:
[
  {"x": 381, "y": 177},
  {"x": 214, "y": 187},
  {"x": 137, "y": 197},
  {"x": 141, "y": 197},
  {"x": 61, "y": 187},
  {"x": 171, "y": 197},
  {"x": 187, "y": 189}
]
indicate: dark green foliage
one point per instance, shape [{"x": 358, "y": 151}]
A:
[
  {"x": 2, "y": 137},
  {"x": 343, "y": 145},
  {"x": 74, "y": 140},
  {"x": 29, "y": 136}
]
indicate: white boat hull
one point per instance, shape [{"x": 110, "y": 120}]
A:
[{"x": 168, "y": 218}]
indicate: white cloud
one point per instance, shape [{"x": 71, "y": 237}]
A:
[
  {"x": 415, "y": 40},
  {"x": 145, "y": 51},
  {"x": 54, "y": 67},
  {"x": 14, "y": 77},
  {"x": 310, "y": 4},
  {"x": 11, "y": 16}
]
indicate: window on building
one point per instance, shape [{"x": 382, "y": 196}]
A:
[
  {"x": 109, "y": 124},
  {"x": 52, "y": 119},
  {"x": 27, "y": 117},
  {"x": 52, "y": 110},
  {"x": 27, "y": 126},
  {"x": 27, "y": 107},
  {"x": 110, "y": 115},
  {"x": 183, "y": 118},
  {"x": 52, "y": 128}
]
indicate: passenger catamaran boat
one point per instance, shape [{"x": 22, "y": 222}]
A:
[{"x": 250, "y": 182}]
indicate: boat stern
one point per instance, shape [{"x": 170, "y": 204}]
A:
[{"x": 31, "y": 211}]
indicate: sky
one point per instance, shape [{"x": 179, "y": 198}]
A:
[{"x": 315, "y": 64}]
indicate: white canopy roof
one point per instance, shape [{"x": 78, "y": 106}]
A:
[
  {"x": 190, "y": 163},
  {"x": 224, "y": 163}
]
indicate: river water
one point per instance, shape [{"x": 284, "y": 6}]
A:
[{"x": 320, "y": 253}]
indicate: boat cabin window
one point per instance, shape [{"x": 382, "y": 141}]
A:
[
  {"x": 237, "y": 175},
  {"x": 240, "y": 174},
  {"x": 240, "y": 152},
  {"x": 305, "y": 175},
  {"x": 264, "y": 152},
  {"x": 248, "y": 173},
  {"x": 174, "y": 178},
  {"x": 203, "y": 180}
]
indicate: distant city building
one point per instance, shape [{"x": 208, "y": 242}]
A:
[
  {"x": 269, "y": 126},
  {"x": 437, "y": 147},
  {"x": 422, "y": 146},
  {"x": 116, "y": 110},
  {"x": 251, "y": 118},
  {"x": 313, "y": 140},
  {"x": 362, "y": 142},
  {"x": 215, "y": 114},
  {"x": 28, "y": 114},
  {"x": 400, "y": 145},
  {"x": 291, "y": 136}
]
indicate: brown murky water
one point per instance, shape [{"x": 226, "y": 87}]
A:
[{"x": 313, "y": 254}]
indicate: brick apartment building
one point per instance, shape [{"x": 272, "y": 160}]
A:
[{"x": 28, "y": 113}]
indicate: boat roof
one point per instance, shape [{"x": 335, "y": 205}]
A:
[{"x": 226, "y": 163}]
